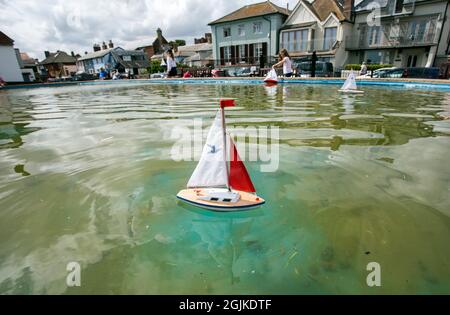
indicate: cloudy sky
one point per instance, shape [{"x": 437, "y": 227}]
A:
[{"x": 74, "y": 25}]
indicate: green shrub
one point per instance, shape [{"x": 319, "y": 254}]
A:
[
  {"x": 155, "y": 67},
  {"x": 374, "y": 67}
]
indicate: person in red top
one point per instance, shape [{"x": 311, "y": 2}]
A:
[{"x": 187, "y": 75}]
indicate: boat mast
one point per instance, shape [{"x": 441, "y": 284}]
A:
[{"x": 224, "y": 127}]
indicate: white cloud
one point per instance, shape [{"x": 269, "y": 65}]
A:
[{"x": 70, "y": 25}]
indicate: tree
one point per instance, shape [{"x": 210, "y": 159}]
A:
[{"x": 177, "y": 43}]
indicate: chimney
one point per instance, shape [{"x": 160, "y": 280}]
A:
[
  {"x": 349, "y": 10},
  {"x": 111, "y": 44},
  {"x": 104, "y": 46},
  {"x": 72, "y": 54},
  {"x": 208, "y": 37},
  {"x": 47, "y": 54},
  {"x": 96, "y": 47}
]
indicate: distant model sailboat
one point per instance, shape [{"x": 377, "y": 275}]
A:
[
  {"x": 350, "y": 85},
  {"x": 217, "y": 184},
  {"x": 271, "y": 78}
]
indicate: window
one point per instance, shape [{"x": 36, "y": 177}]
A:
[
  {"x": 227, "y": 53},
  {"x": 257, "y": 28},
  {"x": 126, "y": 58},
  {"x": 399, "y": 6},
  {"x": 295, "y": 40},
  {"x": 242, "y": 53},
  {"x": 374, "y": 35},
  {"x": 241, "y": 30},
  {"x": 418, "y": 30},
  {"x": 330, "y": 38},
  {"x": 258, "y": 50},
  {"x": 226, "y": 32}
]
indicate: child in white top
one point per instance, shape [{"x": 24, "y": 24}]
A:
[
  {"x": 171, "y": 64},
  {"x": 286, "y": 62}
]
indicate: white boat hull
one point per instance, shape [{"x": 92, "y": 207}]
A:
[
  {"x": 352, "y": 91},
  {"x": 195, "y": 197}
]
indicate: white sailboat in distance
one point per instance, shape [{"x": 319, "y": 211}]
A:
[
  {"x": 220, "y": 181},
  {"x": 350, "y": 85}
]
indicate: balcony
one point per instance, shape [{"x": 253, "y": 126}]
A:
[{"x": 402, "y": 35}]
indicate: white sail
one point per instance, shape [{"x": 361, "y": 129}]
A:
[
  {"x": 211, "y": 171},
  {"x": 350, "y": 83}
]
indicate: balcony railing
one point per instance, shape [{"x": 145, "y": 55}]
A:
[{"x": 393, "y": 36}]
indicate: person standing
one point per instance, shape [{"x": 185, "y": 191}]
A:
[
  {"x": 286, "y": 62},
  {"x": 363, "y": 69},
  {"x": 171, "y": 64},
  {"x": 314, "y": 60},
  {"x": 2, "y": 82}
]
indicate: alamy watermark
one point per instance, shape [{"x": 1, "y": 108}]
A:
[
  {"x": 374, "y": 277},
  {"x": 73, "y": 278},
  {"x": 254, "y": 144}
]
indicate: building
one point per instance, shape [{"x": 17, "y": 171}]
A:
[
  {"x": 59, "y": 64},
  {"x": 9, "y": 63},
  {"x": 207, "y": 39},
  {"x": 157, "y": 46},
  {"x": 247, "y": 34},
  {"x": 319, "y": 26},
  {"x": 404, "y": 33},
  {"x": 109, "y": 59},
  {"x": 198, "y": 55},
  {"x": 28, "y": 66}
]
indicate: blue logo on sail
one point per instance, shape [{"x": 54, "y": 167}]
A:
[{"x": 213, "y": 149}]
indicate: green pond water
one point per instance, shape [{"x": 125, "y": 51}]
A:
[{"x": 87, "y": 176}]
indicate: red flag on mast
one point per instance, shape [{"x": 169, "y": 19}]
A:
[
  {"x": 227, "y": 103},
  {"x": 239, "y": 178}
]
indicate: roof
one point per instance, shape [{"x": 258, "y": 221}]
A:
[
  {"x": 59, "y": 57},
  {"x": 300, "y": 25},
  {"x": 5, "y": 40},
  {"x": 191, "y": 49},
  {"x": 97, "y": 54},
  {"x": 27, "y": 60},
  {"x": 323, "y": 8},
  {"x": 253, "y": 10}
]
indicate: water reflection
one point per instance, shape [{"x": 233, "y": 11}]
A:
[{"x": 14, "y": 122}]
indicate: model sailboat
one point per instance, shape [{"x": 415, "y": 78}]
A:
[
  {"x": 350, "y": 85},
  {"x": 221, "y": 182}
]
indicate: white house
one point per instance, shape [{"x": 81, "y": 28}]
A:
[
  {"x": 9, "y": 65},
  {"x": 319, "y": 26}
]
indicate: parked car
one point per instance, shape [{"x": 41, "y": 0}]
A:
[
  {"x": 218, "y": 73},
  {"x": 303, "y": 68},
  {"x": 83, "y": 76},
  {"x": 158, "y": 76},
  {"x": 393, "y": 73},
  {"x": 244, "y": 72},
  {"x": 413, "y": 73},
  {"x": 421, "y": 73},
  {"x": 377, "y": 73}
]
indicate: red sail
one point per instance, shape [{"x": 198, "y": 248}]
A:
[{"x": 239, "y": 178}]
